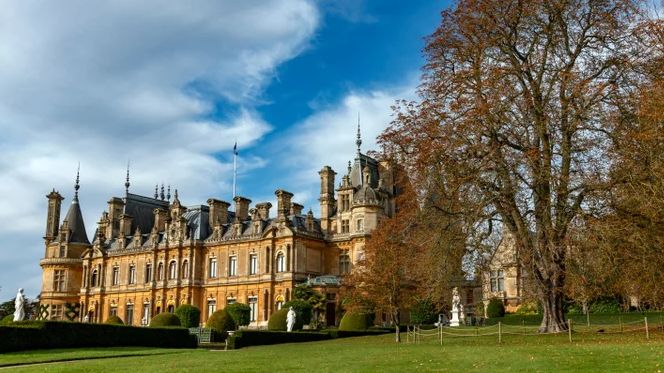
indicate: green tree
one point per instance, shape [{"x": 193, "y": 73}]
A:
[{"x": 240, "y": 313}]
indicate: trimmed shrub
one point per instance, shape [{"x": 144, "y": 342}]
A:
[
  {"x": 303, "y": 310},
  {"x": 7, "y": 320},
  {"x": 240, "y": 312},
  {"x": 355, "y": 321},
  {"x": 190, "y": 316},
  {"x": 114, "y": 319},
  {"x": 278, "y": 320},
  {"x": 165, "y": 319},
  {"x": 423, "y": 312},
  {"x": 220, "y": 322},
  {"x": 496, "y": 308},
  {"x": 33, "y": 335},
  {"x": 244, "y": 338}
]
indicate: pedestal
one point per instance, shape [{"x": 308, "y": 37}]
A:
[{"x": 455, "y": 318}]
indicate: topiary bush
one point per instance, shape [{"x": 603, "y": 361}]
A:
[
  {"x": 303, "y": 310},
  {"x": 165, "y": 319},
  {"x": 190, "y": 316},
  {"x": 220, "y": 322},
  {"x": 278, "y": 320},
  {"x": 356, "y": 321},
  {"x": 423, "y": 312},
  {"x": 240, "y": 312},
  {"x": 496, "y": 308},
  {"x": 7, "y": 320},
  {"x": 114, "y": 320}
]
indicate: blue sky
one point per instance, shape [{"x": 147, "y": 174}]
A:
[{"x": 173, "y": 87}]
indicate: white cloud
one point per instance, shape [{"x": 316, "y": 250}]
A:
[{"x": 103, "y": 82}]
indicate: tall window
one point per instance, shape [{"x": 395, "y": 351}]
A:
[
  {"x": 185, "y": 269},
  {"x": 212, "y": 268},
  {"x": 146, "y": 314},
  {"x": 253, "y": 264},
  {"x": 113, "y": 311},
  {"x": 359, "y": 225},
  {"x": 345, "y": 202},
  {"x": 160, "y": 271},
  {"x": 172, "y": 269},
  {"x": 345, "y": 226},
  {"x": 231, "y": 300},
  {"x": 344, "y": 263},
  {"x": 211, "y": 307},
  {"x": 279, "y": 304},
  {"x": 115, "y": 279},
  {"x": 63, "y": 252},
  {"x": 497, "y": 280},
  {"x": 93, "y": 280},
  {"x": 148, "y": 272},
  {"x": 253, "y": 305},
  {"x": 281, "y": 263},
  {"x": 132, "y": 274},
  {"x": 129, "y": 314},
  {"x": 232, "y": 266},
  {"x": 59, "y": 280}
]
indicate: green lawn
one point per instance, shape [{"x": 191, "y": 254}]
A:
[{"x": 552, "y": 353}]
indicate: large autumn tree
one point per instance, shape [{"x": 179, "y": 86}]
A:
[{"x": 512, "y": 119}]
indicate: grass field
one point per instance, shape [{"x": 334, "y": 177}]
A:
[{"x": 552, "y": 353}]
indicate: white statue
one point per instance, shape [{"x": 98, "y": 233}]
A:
[
  {"x": 456, "y": 304},
  {"x": 19, "y": 305},
  {"x": 290, "y": 319}
]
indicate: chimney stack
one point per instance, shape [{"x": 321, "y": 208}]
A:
[
  {"x": 218, "y": 212},
  {"x": 283, "y": 202},
  {"x": 264, "y": 210},
  {"x": 241, "y": 208}
]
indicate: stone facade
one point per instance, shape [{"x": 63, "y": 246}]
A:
[
  {"x": 151, "y": 254},
  {"x": 504, "y": 277}
]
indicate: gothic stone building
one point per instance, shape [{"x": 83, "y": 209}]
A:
[{"x": 150, "y": 255}]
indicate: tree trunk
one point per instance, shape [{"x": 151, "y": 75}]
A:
[
  {"x": 396, "y": 320},
  {"x": 553, "y": 320}
]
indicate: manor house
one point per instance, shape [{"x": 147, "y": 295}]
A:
[{"x": 150, "y": 254}]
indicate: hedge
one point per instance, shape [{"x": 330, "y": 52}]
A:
[
  {"x": 496, "y": 308},
  {"x": 240, "y": 312},
  {"x": 356, "y": 321},
  {"x": 244, "y": 338},
  {"x": 165, "y": 319},
  {"x": 33, "y": 335},
  {"x": 190, "y": 316},
  {"x": 114, "y": 319}
]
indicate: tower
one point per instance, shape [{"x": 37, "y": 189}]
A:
[
  {"x": 52, "y": 216},
  {"x": 326, "y": 197},
  {"x": 62, "y": 266}
]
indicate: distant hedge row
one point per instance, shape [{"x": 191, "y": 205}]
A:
[
  {"x": 244, "y": 338},
  {"x": 33, "y": 335}
]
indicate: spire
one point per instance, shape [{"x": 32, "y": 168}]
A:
[
  {"x": 74, "y": 216},
  {"x": 168, "y": 194},
  {"x": 358, "y": 141},
  {"x": 176, "y": 194},
  {"x": 162, "y": 191},
  {"x": 156, "y": 191},
  {"x": 77, "y": 186},
  {"x": 127, "y": 180}
]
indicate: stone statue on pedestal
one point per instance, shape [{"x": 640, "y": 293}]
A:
[
  {"x": 19, "y": 305},
  {"x": 290, "y": 319},
  {"x": 456, "y": 307}
]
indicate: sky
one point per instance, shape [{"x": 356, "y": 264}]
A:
[{"x": 170, "y": 87}]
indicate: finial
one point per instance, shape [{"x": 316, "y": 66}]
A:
[
  {"x": 162, "y": 191},
  {"x": 77, "y": 186},
  {"x": 349, "y": 168},
  {"x": 127, "y": 180},
  {"x": 168, "y": 195},
  {"x": 156, "y": 191},
  {"x": 358, "y": 142},
  {"x": 176, "y": 196}
]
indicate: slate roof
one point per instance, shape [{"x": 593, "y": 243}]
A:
[
  {"x": 74, "y": 219},
  {"x": 141, "y": 209}
]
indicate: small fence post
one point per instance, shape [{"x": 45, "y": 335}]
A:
[
  {"x": 523, "y": 323},
  {"x": 587, "y": 318},
  {"x": 621, "y": 324},
  {"x": 407, "y": 333},
  {"x": 440, "y": 331},
  {"x": 645, "y": 319},
  {"x": 569, "y": 329},
  {"x": 500, "y": 333}
]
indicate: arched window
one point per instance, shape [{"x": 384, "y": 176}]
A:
[
  {"x": 185, "y": 269},
  {"x": 344, "y": 263},
  {"x": 281, "y": 262},
  {"x": 148, "y": 272},
  {"x": 160, "y": 271},
  {"x": 93, "y": 280},
  {"x": 132, "y": 274},
  {"x": 172, "y": 269}
]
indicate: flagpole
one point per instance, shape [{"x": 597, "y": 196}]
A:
[{"x": 234, "y": 169}]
